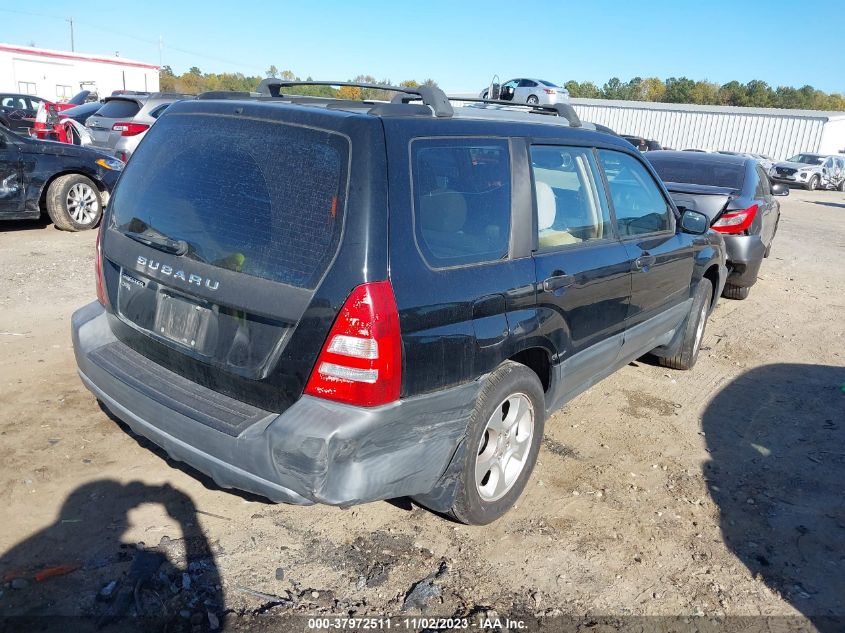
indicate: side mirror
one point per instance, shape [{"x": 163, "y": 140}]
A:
[
  {"x": 694, "y": 222},
  {"x": 780, "y": 189}
]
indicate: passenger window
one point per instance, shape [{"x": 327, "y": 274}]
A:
[
  {"x": 571, "y": 208},
  {"x": 639, "y": 205},
  {"x": 462, "y": 200}
]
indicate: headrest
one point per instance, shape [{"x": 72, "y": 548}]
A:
[
  {"x": 444, "y": 211},
  {"x": 546, "y": 205}
]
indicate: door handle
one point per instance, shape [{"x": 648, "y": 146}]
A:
[
  {"x": 644, "y": 261},
  {"x": 558, "y": 281}
]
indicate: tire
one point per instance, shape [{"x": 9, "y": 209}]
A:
[
  {"x": 480, "y": 498},
  {"x": 74, "y": 203},
  {"x": 841, "y": 186},
  {"x": 484, "y": 94},
  {"x": 532, "y": 99},
  {"x": 736, "y": 292},
  {"x": 813, "y": 184},
  {"x": 693, "y": 329}
]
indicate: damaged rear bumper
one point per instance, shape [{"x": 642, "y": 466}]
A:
[
  {"x": 316, "y": 451},
  {"x": 745, "y": 256}
]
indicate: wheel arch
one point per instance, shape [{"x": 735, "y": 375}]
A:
[
  {"x": 45, "y": 187},
  {"x": 538, "y": 360},
  {"x": 712, "y": 274}
]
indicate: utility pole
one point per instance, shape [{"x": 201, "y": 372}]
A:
[
  {"x": 72, "y": 47},
  {"x": 160, "y": 47}
]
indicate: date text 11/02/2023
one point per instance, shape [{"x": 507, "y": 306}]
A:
[{"x": 416, "y": 623}]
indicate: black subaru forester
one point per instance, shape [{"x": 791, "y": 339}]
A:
[{"x": 321, "y": 300}]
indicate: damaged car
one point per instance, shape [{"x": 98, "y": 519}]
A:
[
  {"x": 71, "y": 184},
  {"x": 337, "y": 301}
]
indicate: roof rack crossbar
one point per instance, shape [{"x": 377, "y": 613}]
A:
[
  {"x": 563, "y": 110},
  {"x": 431, "y": 96}
]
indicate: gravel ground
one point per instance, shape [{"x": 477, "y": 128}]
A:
[{"x": 710, "y": 493}]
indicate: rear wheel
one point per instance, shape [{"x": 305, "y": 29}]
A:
[
  {"x": 74, "y": 203},
  {"x": 502, "y": 442},
  {"x": 813, "y": 184},
  {"x": 841, "y": 186},
  {"x": 532, "y": 99},
  {"x": 693, "y": 329},
  {"x": 736, "y": 292}
]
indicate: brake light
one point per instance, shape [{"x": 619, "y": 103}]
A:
[
  {"x": 129, "y": 129},
  {"x": 549, "y": 91},
  {"x": 98, "y": 268},
  {"x": 735, "y": 221},
  {"x": 361, "y": 360}
]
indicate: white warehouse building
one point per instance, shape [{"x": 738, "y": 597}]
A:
[
  {"x": 58, "y": 75},
  {"x": 769, "y": 131}
]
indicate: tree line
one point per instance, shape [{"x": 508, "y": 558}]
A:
[
  {"x": 755, "y": 93},
  {"x": 195, "y": 81}
]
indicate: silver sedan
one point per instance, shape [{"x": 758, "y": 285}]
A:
[{"x": 534, "y": 91}]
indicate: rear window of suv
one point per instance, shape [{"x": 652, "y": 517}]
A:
[
  {"x": 119, "y": 109},
  {"x": 259, "y": 197}
]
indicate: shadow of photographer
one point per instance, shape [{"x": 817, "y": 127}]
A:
[
  {"x": 776, "y": 437},
  {"x": 79, "y": 574}
]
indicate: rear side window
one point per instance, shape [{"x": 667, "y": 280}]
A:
[
  {"x": 640, "y": 207},
  {"x": 258, "y": 197},
  {"x": 571, "y": 208},
  {"x": 462, "y": 200},
  {"x": 159, "y": 110},
  {"x": 119, "y": 109}
]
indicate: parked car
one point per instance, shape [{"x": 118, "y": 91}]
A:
[
  {"x": 267, "y": 316},
  {"x": 70, "y": 183},
  {"x": 811, "y": 171},
  {"x": 734, "y": 193},
  {"x": 113, "y": 110},
  {"x": 127, "y": 131},
  {"x": 642, "y": 144},
  {"x": 17, "y": 111},
  {"x": 531, "y": 91}
]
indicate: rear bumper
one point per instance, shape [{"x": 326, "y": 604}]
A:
[
  {"x": 316, "y": 451},
  {"x": 744, "y": 257}
]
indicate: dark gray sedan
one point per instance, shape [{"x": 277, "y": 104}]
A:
[{"x": 735, "y": 193}]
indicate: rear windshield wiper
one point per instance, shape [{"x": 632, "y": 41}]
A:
[{"x": 174, "y": 247}]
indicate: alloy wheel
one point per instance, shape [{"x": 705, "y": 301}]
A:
[
  {"x": 83, "y": 204},
  {"x": 504, "y": 447}
]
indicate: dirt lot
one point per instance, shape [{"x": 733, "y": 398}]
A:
[{"x": 712, "y": 492}]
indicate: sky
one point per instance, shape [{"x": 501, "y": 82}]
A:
[{"x": 460, "y": 44}]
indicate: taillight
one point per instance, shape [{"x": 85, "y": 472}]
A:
[
  {"x": 98, "y": 268},
  {"x": 129, "y": 129},
  {"x": 735, "y": 221},
  {"x": 549, "y": 91},
  {"x": 361, "y": 360}
]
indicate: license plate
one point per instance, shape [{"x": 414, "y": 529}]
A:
[{"x": 182, "y": 321}]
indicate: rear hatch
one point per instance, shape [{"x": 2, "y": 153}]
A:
[
  {"x": 220, "y": 236},
  {"x": 114, "y": 110}
]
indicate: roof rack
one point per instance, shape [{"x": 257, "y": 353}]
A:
[
  {"x": 431, "y": 96},
  {"x": 563, "y": 110}
]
